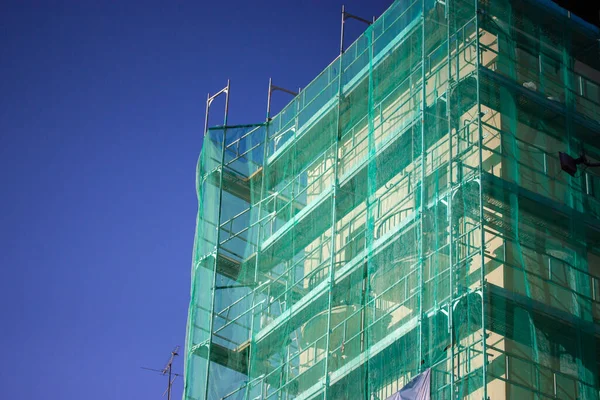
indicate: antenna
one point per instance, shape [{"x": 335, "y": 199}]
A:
[{"x": 168, "y": 370}]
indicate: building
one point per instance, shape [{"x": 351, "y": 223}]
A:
[{"x": 407, "y": 211}]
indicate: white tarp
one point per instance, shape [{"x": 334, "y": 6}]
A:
[{"x": 417, "y": 389}]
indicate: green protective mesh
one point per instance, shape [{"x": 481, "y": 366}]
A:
[{"x": 407, "y": 211}]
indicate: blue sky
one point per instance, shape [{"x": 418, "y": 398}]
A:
[{"x": 101, "y": 116}]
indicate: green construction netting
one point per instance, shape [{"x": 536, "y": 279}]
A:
[{"x": 407, "y": 211}]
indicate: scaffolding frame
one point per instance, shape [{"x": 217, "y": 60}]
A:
[{"x": 395, "y": 217}]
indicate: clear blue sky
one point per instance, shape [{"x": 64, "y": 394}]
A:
[{"x": 101, "y": 113}]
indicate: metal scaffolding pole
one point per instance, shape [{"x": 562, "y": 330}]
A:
[
  {"x": 481, "y": 194},
  {"x": 215, "y": 253},
  {"x": 273, "y": 88},
  {"x": 345, "y": 16}
]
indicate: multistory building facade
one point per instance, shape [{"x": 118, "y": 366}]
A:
[{"x": 406, "y": 212}]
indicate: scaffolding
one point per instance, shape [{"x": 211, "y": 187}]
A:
[{"x": 406, "y": 210}]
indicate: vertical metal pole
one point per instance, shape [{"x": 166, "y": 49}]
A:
[
  {"x": 269, "y": 100},
  {"x": 226, "y": 107},
  {"x": 218, "y": 228},
  {"x": 331, "y": 274},
  {"x": 342, "y": 33},
  {"x": 422, "y": 205},
  {"x": 261, "y": 200},
  {"x": 567, "y": 64},
  {"x": 450, "y": 201},
  {"x": 206, "y": 115},
  {"x": 169, "y": 386},
  {"x": 371, "y": 209},
  {"x": 481, "y": 214}
]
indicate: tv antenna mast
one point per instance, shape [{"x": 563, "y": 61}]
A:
[{"x": 168, "y": 371}]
